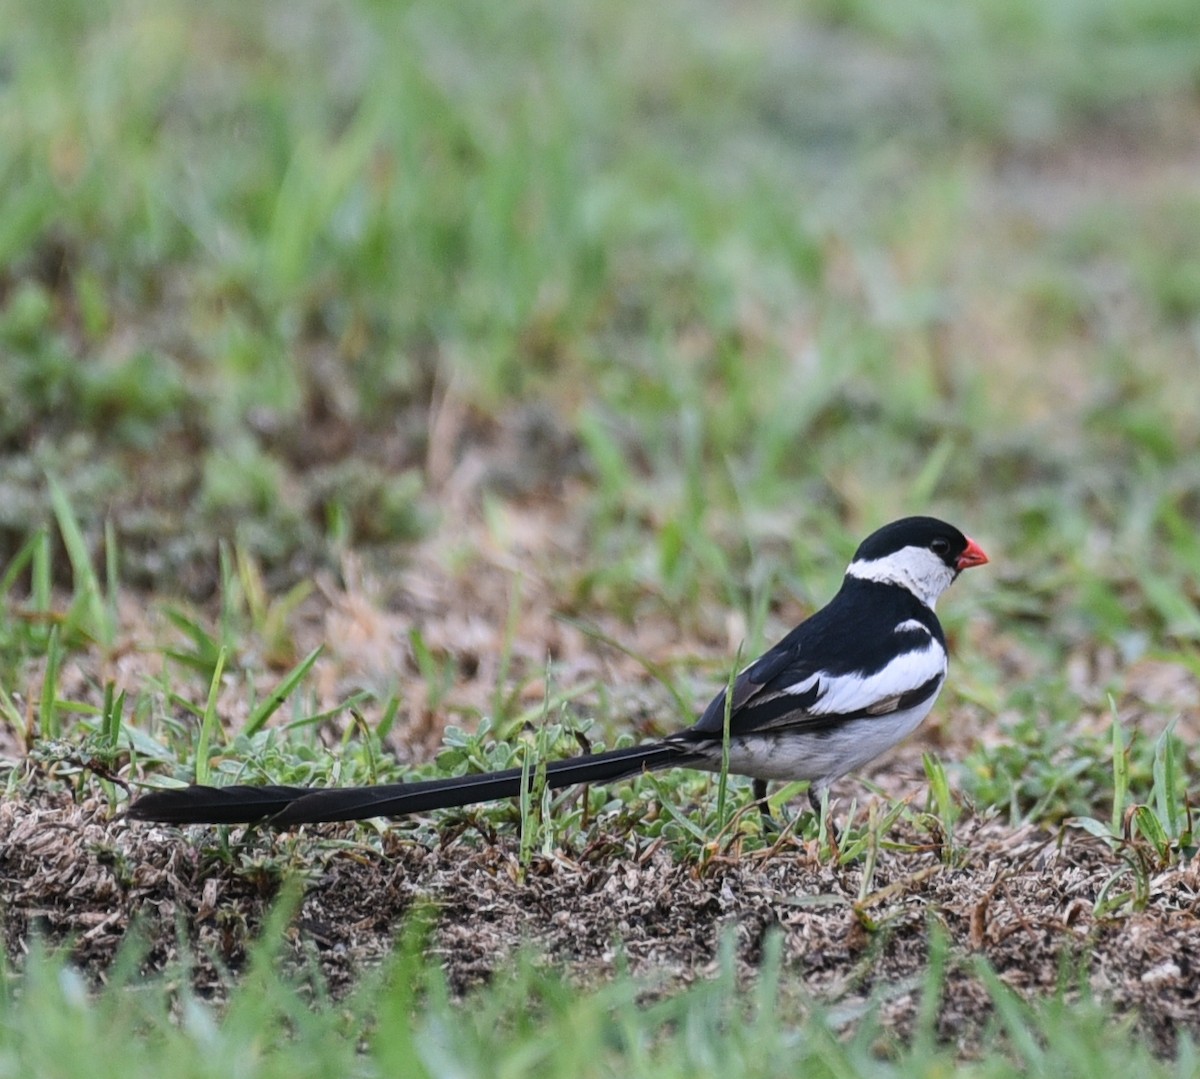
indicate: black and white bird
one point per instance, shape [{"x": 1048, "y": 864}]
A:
[{"x": 845, "y": 685}]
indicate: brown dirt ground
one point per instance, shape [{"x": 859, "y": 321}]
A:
[{"x": 1023, "y": 899}]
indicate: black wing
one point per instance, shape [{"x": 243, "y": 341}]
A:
[{"x": 850, "y": 660}]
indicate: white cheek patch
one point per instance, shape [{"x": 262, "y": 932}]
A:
[
  {"x": 916, "y": 568},
  {"x": 847, "y": 693}
]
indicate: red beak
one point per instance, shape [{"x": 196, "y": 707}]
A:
[{"x": 972, "y": 556}]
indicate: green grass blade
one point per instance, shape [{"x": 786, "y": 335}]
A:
[
  {"x": 1167, "y": 797},
  {"x": 388, "y": 719},
  {"x": 205, "y": 647},
  {"x": 112, "y": 576},
  {"x": 525, "y": 808},
  {"x": 49, "y": 700},
  {"x": 20, "y": 561},
  {"x": 41, "y": 587},
  {"x": 110, "y": 717},
  {"x": 1014, "y": 1016},
  {"x": 945, "y": 808},
  {"x": 668, "y": 807},
  {"x": 88, "y": 593},
  {"x": 723, "y": 776},
  {"x": 511, "y": 622},
  {"x": 1150, "y": 826},
  {"x": 11, "y": 715},
  {"x": 1120, "y": 770},
  {"x": 267, "y": 708},
  {"x": 209, "y": 724}
]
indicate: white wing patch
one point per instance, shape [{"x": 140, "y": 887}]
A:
[
  {"x": 846, "y": 693},
  {"x": 798, "y": 688},
  {"x": 910, "y": 624}
]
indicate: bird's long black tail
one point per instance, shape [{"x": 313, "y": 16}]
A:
[{"x": 286, "y": 806}]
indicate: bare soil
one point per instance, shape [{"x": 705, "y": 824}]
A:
[{"x": 1023, "y": 899}]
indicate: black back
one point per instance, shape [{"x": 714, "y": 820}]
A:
[{"x": 855, "y": 633}]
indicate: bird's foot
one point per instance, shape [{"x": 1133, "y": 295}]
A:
[{"x": 770, "y": 825}]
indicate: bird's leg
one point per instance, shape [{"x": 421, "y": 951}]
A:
[{"x": 769, "y": 823}]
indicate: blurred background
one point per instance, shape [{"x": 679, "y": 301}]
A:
[{"x": 655, "y": 308}]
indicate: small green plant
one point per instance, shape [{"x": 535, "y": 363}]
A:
[
  {"x": 945, "y": 809},
  {"x": 535, "y": 798},
  {"x": 1150, "y": 835},
  {"x": 48, "y": 711},
  {"x": 210, "y": 723},
  {"x": 1045, "y": 768},
  {"x": 92, "y": 614}
]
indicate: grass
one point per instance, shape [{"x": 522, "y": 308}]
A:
[
  {"x": 403, "y": 390},
  {"x": 530, "y": 1023}
]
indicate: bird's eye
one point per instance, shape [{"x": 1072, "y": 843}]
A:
[{"x": 940, "y": 547}]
